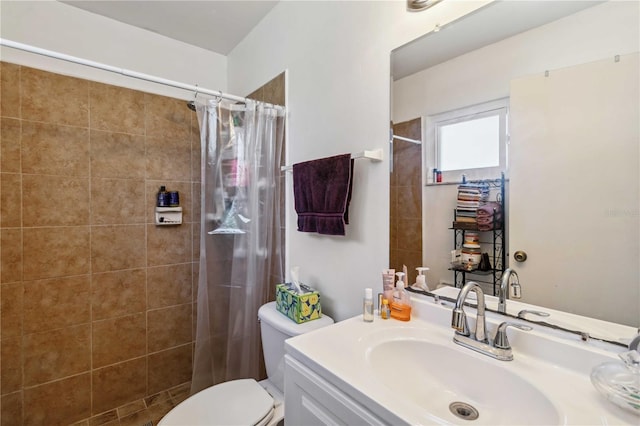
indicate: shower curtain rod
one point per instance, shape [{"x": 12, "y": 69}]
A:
[{"x": 127, "y": 73}]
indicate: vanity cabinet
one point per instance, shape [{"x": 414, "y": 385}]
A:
[
  {"x": 311, "y": 400},
  {"x": 492, "y": 242}
]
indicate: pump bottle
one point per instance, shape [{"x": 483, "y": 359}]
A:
[{"x": 401, "y": 305}]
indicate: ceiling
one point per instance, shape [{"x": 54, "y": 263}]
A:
[
  {"x": 479, "y": 29},
  {"x": 217, "y": 26}
]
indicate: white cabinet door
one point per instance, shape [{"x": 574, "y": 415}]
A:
[
  {"x": 312, "y": 401},
  {"x": 575, "y": 186}
]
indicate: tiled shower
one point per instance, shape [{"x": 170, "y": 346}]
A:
[{"x": 97, "y": 302}]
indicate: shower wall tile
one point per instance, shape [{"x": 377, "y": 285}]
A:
[
  {"x": 53, "y": 149},
  {"x": 55, "y": 252},
  {"x": 10, "y": 90},
  {"x": 56, "y": 303},
  {"x": 116, "y": 109},
  {"x": 11, "y": 300},
  {"x": 118, "y": 384},
  {"x": 168, "y": 327},
  {"x": 10, "y": 130},
  {"x": 169, "y": 368},
  {"x": 117, "y": 247},
  {"x": 167, "y": 118},
  {"x": 55, "y": 200},
  {"x": 117, "y": 201},
  {"x": 118, "y": 339},
  {"x": 118, "y": 293},
  {"x": 195, "y": 234},
  {"x": 168, "y": 285},
  {"x": 11, "y": 409},
  {"x": 56, "y": 354},
  {"x": 196, "y": 157},
  {"x": 167, "y": 160},
  {"x": 117, "y": 155},
  {"x": 168, "y": 245},
  {"x": 58, "y": 403},
  {"x": 54, "y": 98},
  {"x": 10, "y": 200},
  {"x": 11, "y": 366}
]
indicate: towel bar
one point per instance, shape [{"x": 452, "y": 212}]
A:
[{"x": 373, "y": 155}]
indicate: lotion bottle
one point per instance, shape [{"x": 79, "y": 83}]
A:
[
  {"x": 400, "y": 308},
  {"x": 367, "y": 305}
]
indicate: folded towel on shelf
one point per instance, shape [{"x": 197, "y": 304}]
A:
[
  {"x": 489, "y": 208},
  {"x": 322, "y": 192}
]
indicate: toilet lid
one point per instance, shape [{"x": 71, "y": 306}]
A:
[{"x": 238, "y": 402}]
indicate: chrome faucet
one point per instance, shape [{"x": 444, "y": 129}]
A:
[
  {"x": 459, "y": 318},
  {"x": 499, "y": 348},
  {"x": 503, "y": 293}
]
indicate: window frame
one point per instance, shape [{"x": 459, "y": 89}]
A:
[{"x": 433, "y": 123}]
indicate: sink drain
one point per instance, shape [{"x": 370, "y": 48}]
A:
[{"x": 463, "y": 410}]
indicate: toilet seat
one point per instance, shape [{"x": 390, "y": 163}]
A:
[{"x": 238, "y": 402}]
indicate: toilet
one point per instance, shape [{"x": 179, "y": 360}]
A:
[{"x": 246, "y": 401}]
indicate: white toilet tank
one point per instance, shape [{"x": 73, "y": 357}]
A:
[{"x": 275, "y": 328}]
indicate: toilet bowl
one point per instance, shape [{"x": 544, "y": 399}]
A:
[{"x": 246, "y": 401}]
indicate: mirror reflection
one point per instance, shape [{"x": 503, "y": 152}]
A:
[{"x": 569, "y": 73}]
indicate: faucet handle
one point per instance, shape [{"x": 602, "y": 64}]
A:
[{"x": 501, "y": 341}]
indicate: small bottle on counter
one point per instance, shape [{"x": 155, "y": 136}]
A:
[
  {"x": 384, "y": 311},
  {"x": 367, "y": 305}
]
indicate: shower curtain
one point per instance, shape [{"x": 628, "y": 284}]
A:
[{"x": 240, "y": 236}]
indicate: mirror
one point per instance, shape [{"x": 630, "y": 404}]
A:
[{"x": 487, "y": 55}]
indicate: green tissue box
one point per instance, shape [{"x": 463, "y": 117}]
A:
[{"x": 301, "y": 307}]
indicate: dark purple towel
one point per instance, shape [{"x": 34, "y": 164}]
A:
[{"x": 322, "y": 191}]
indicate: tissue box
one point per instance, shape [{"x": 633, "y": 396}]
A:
[{"x": 301, "y": 307}]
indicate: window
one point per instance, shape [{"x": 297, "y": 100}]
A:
[{"x": 470, "y": 141}]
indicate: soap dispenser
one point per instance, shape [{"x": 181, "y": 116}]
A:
[
  {"x": 401, "y": 306},
  {"x": 421, "y": 279}
]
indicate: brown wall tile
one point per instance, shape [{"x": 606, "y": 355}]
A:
[
  {"x": 117, "y": 155},
  {"x": 10, "y": 88},
  {"x": 117, "y": 201},
  {"x": 167, "y": 161},
  {"x": 10, "y": 200},
  {"x": 166, "y": 118},
  {"x": 10, "y": 255},
  {"x": 54, "y": 149},
  {"x": 56, "y": 353},
  {"x": 119, "y": 339},
  {"x": 11, "y": 300},
  {"x": 117, "y": 247},
  {"x": 11, "y": 410},
  {"x": 169, "y": 285},
  {"x": 56, "y": 303},
  {"x": 55, "y": 252},
  {"x": 54, "y": 98},
  {"x": 119, "y": 384},
  {"x": 58, "y": 403},
  {"x": 116, "y": 109},
  {"x": 11, "y": 366},
  {"x": 10, "y": 145},
  {"x": 169, "y": 368},
  {"x": 168, "y": 244},
  {"x": 118, "y": 293},
  {"x": 55, "y": 200},
  {"x": 168, "y": 327}
]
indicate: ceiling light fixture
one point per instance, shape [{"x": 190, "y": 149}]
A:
[{"x": 420, "y": 5}]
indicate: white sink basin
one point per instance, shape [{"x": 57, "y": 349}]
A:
[{"x": 434, "y": 377}]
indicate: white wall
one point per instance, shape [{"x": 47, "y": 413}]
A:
[
  {"x": 598, "y": 32},
  {"x": 338, "y": 59},
  {"x": 59, "y": 27}
]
